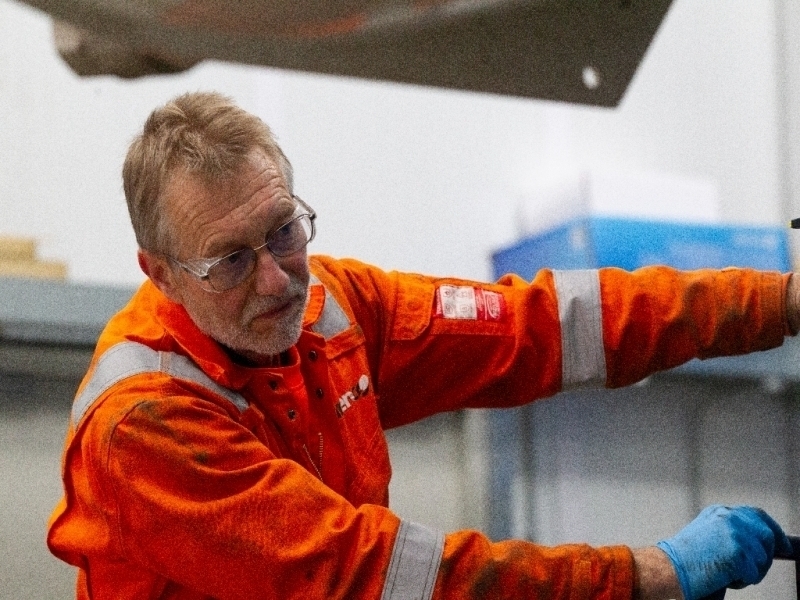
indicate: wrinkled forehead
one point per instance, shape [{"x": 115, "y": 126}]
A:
[{"x": 199, "y": 206}]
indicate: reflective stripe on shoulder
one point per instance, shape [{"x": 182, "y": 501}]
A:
[
  {"x": 579, "y": 310},
  {"x": 416, "y": 557},
  {"x": 333, "y": 319},
  {"x": 127, "y": 359}
]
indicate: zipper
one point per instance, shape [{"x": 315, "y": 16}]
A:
[{"x": 317, "y": 468}]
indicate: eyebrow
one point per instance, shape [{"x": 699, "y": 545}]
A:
[
  {"x": 277, "y": 217},
  {"x": 281, "y": 214}
]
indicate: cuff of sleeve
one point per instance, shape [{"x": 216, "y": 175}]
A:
[{"x": 787, "y": 328}]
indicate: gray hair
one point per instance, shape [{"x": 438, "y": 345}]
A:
[{"x": 203, "y": 133}]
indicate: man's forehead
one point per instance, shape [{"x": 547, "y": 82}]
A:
[
  {"x": 187, "y": 188},
  {"x": 217, "y": 214}
]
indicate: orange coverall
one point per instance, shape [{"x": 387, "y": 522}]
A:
[{"x": 280, "y": 489}]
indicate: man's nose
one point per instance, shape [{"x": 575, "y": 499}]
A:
[{"x": 270, "y": 278}]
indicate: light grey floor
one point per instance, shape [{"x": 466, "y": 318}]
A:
[{"x": 32, "y": 423}]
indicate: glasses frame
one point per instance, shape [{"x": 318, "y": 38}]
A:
[{"x": 199, "y": 267}]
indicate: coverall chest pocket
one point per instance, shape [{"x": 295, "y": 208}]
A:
[{"x": 365, "y": 452}]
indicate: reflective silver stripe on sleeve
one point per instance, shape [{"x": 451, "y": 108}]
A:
[
  {"x": 583, "y": 362},
  {"x": 127, "y": 359},
  {"x": 416, "y": 557}
]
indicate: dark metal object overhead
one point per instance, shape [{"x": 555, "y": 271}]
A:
[{"x": 582, "y": 51}]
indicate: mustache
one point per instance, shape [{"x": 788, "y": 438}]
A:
[{"x": 297, "y": 290}]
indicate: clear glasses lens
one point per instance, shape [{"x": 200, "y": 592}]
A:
[
  {"x": 232, "y": 269},
  {"x": 291, "y": 237}
]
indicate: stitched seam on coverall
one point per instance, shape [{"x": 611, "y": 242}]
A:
[{"x": 583, "y": 362}]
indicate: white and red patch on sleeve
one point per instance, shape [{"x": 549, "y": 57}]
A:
[{"x": 467, "y": 302}]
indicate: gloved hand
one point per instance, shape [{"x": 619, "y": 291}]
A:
[{"x": 724, "y": 547}]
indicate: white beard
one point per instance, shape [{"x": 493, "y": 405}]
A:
[{"x": 285, "y": 331}]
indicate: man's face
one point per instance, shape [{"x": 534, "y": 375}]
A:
[{"x": 262, "y": 316}]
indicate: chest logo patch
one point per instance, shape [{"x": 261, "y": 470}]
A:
[
  {"x": 467, "y": 302},
  {"x": 347, "y": 399}
]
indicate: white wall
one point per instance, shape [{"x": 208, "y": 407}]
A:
[{"x": 406, "y": 177}]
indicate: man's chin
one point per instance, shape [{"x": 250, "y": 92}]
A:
[
  {"x": 266, "y": 335},
  {"x": 267, "y": 338},
  {"x": 258, "y": 353},
  {"x": 276, "y": 322}
]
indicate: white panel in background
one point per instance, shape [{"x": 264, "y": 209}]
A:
[
  {"x": 562, "y": 196},
  {"x": 270, "y": 103},
  {"x": 609, "y": 467}
]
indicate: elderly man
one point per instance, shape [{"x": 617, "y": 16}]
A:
[{"x": 227, "y": 441}]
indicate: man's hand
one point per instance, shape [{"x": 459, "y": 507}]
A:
[
  {"x": 724, "y": 547},
  {"x": 793, "y": 303}
]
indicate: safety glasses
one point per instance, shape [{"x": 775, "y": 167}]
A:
[{"x": 221, "y": 274}]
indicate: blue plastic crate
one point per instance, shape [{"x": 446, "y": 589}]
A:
[{"x": 593, "y": 242}]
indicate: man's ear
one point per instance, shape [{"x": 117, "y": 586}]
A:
[{"x": 158, "y": 269}]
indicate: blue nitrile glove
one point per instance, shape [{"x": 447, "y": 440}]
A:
[{"x": 725, "y": 546}]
